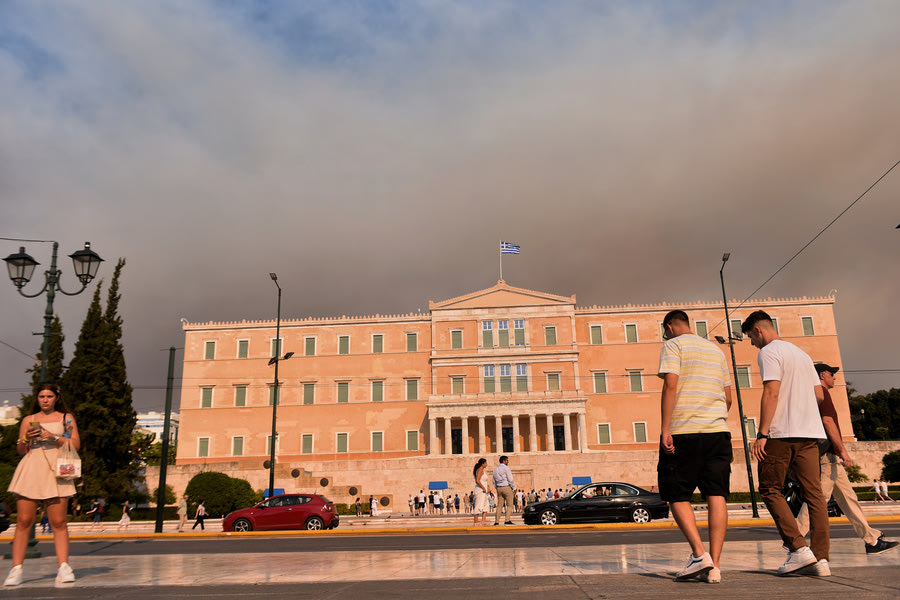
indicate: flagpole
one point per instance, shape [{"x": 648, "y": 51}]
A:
[{"x": 501, "y": 260}]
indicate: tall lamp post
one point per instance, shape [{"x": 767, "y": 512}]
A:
[
  {"x": 21, "y": 267},
  {"x": 276, "y": 396},
  {"x": 737, "y": 387}
]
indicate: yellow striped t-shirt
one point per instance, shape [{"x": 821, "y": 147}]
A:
[{"x": 702, "y": 377}]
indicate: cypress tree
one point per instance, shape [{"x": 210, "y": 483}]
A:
[
  {"x": 54, "y": 364},
  {"x": 97, "y": 391}
]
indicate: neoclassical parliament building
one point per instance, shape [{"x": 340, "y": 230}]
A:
[{"x": 386, "y": 405}]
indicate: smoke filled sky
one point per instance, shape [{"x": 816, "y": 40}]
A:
[{"x": 374, "y": 154}]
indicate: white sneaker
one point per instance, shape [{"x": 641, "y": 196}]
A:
[
  {"x": 797, "y": 560},
  {"x": 696, "y": 565},
  {"x": 65, "y": 574},
  {"x": 14, "y": 577},
  {"x": 819, "y": 569},
  {"x": 714, "y": 575}
]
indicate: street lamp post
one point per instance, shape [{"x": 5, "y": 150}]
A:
[
  {"x": 737, "y": 387},
  {"x": 276, "y": 396},
  {"x": 21, "y": 267}
]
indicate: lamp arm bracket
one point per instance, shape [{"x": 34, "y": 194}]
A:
[
  {"x": 35, "y": 295},
  {"x": 62, "y": 291}
]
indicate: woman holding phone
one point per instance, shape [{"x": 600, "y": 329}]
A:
[{"x": 41, "y": 434}]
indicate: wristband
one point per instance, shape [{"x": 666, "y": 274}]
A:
[{"x": 761, "y": 436}]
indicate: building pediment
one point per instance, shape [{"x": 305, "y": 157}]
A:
[{"x": 502, "y": 295}]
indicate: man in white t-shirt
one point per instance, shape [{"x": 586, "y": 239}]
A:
[{"x": 787, "y": 440}]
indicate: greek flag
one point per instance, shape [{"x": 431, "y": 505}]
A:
[{"x": 508, "y": 248}]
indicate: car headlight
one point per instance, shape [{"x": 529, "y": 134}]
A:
[{"x": 529, "y": 508}]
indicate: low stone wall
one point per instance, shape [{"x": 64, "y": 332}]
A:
[{"x": 393, "y": 480}]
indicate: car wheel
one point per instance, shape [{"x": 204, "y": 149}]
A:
[
  {"x": 639, "y": 514},
  {"x": 315, "y": 524},
  {"x": 549, "y": 517},
  {"x": 242, "y": 525}
]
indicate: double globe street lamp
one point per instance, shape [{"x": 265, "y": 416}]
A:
[{"x": 21, "y": 268}]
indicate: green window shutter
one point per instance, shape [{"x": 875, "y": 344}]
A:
[
  {"x": 489, "y": 385},
  {"x": 637, "y": 384},
  {"x": 276, "y": 347},
  {"x": 736, "y": 327},
  {"x": 596, "y": 334},
  {"x": 640, "y": 432},
  {"x": 521, "y": 383},
  {"x": 206, "y": 397},
  {"x": 310, "y": 346},
  {"x": 343, "y": 392},
  {"x": 243, "y": 348},
  {"x": 519, "y": 334},
  {"x": 412, "y": 389},
  {"x": 553, "y": 382},
  {"x": 743, "y": 377},
  {"x": 343, "y": 442},
  {"x": 377, "y": 441},
  {"x": 307, "y": 443},
  {"x": 210, "y": 351},
  {"x": 378, "y": 343},
  {"x": 505, "y": 383},
  {"x": 503, "y": 336},
  {"x": 412, "y": 342},
  {"x": 550, "y": 336},
  {"x": 240, "y": 395},
  {"x": 701, "y": 329},
  {"x": 750, "y": 426},
  {"x": 268, "y": 445},
  {"x": 458, "y": 385},
  {"x": 272, "y": 399},
  {"x": 808, "y": 326},
  {"x": 599, "y": 383},
  {"x": 344, "y": 344},
  {"x": 203, "y": 447},
  {"x": 237, "y": 446},
  {"x": 631, "y": 334},
  {"x": 456, "y": 339},
  {"x": 309, "y": 393},
  {"x": 412, "y": 440},
  {"x": 603, "y": 433},
  {"x": 377, "y": 391}
]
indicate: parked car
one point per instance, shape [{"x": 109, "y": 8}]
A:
[
  {"x": 599, "y": 502},
  {"x": 287, "y": 511}
]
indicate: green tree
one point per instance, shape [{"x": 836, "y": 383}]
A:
[
  {"x": 6, "y": 475},
  {"x": 170, "y": 494},
  {"x": 891, "y": 470},
  {"x": 855, "y": 475},
  {"x": 97, "y": 391},
  {"x": 875, "y": 416},
  {"x": 153, "y": 456},
  {"x": 221, "y": 493}
]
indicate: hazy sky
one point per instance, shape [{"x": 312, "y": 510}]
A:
[{"x": 373, "y": 154}]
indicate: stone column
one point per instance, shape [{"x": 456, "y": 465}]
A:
[
  {"x": 465, "y": 435},
  {"x": 582, "y": 433},
  {"x": 532, "y": 433},
  {"x": 482, "y": 440},
  {"x": 567, "y": 431},
  {"x": 448, "y": 437},
  {"x": 434, "y": 445},
  {"x": 551, "y": 446},
  {"x": 498, "y": 423},
  {"x": 516, "y": 433}
]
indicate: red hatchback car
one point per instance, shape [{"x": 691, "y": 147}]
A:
[{"x": 288, "y": 511}]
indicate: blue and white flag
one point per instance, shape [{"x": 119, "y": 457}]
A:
[{"x": 508, "y": 248}]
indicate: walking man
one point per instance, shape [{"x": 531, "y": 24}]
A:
[
  {"x": 787, "y": 439},
  {"x": 834, "y": 478},
  {"x": 695, "y": 442},
  {"x": 503, "y": 483}
]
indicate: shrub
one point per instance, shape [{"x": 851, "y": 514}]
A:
[
  {"x": 170, "y": 495},
  {"x": 891, "y": 462},
  {"x": 221, "y": 493}
]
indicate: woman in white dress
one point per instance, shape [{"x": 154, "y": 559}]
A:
[{"x": 482, "y": 487}]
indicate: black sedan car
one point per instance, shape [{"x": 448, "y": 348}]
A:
[{"x": 599, "y": 502}]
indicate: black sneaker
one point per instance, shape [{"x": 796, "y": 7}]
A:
[
  {"x": 881, "y": 545},
  {"x": 508, "y": 523}
]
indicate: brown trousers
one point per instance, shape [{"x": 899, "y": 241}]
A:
[{"x": 802, "y": 456}]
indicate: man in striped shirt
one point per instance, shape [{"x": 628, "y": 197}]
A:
[{"x": 695, "y": 442}]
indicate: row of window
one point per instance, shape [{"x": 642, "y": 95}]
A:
[
  {"x": 411, "y": 387},
  {"x": 490, "y": 384},
  {"x": 487, "y": 341},
  {"x": 604, "y": 435},
  {"x": 240, "y": 447}
]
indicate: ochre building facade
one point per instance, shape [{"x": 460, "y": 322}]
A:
[{"x": 386, "y": 405}]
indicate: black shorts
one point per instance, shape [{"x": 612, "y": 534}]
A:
[{"x": 701, "y": 460}]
